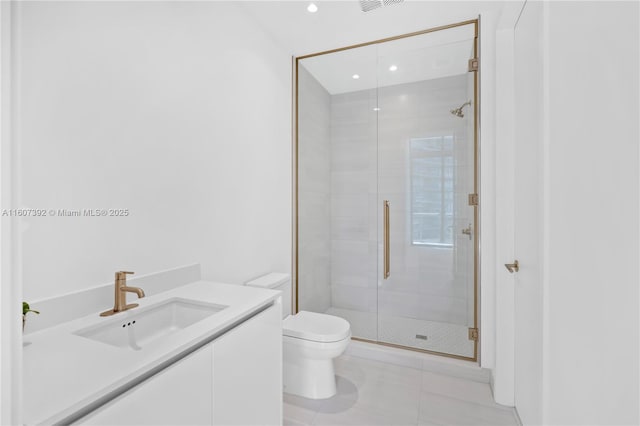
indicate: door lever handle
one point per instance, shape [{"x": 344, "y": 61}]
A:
[{"x": 512, "y": 267}]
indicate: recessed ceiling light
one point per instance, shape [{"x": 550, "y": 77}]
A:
[
  {"x": 355, "y": 76},
  {"x": 312, "y": 8},
  {"x": 393, "y": 68},
  {"x": 376, "y": 109}
]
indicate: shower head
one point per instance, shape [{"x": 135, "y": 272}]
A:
[
  {"x": 458, "y": 111},
  {"x": 368, "y": 5}
]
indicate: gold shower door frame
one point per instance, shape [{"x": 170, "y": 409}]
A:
[{"x": 476, "y": 205}]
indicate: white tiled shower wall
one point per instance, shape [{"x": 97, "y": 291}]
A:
[
  {"x": 369, "y": 163},
  {"x": 353, "y": 201},
  {"x": 350, "y": 158},
  {"x": 314, "y": 192}
]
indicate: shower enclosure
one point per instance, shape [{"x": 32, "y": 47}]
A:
[{"x": 386, "y": 189}]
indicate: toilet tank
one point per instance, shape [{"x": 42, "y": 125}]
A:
[{"x": 276, "y": 281}]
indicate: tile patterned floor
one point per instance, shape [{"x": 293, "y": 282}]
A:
[{"x": 376, "y": 393}]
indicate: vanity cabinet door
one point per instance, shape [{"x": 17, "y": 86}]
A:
[
  {"x": 181, "y": 394},
  {"x": 247, "y": 379}
]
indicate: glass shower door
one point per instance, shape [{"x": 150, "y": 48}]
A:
[
  {"x": 337, "y": 187},
  {"x": 386, "y": 236},
  {"x": 426, "y": 171}
]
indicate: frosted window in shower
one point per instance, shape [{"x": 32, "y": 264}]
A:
[{"x": 432, "y": 184}]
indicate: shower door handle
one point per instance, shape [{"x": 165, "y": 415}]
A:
[{"x": 387, "y": 268}]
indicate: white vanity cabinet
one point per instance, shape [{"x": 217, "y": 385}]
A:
[
  {"x": 181, "y": 394},
  {"x": 236, "y": 379},
  {"x": 247, "y": 378}
]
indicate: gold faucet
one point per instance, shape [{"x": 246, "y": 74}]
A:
[{"x": 120, "y": 294}]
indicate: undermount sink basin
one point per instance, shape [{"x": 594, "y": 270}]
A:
[{"x": 140, "y": 326}]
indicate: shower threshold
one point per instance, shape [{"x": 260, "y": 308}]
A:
[{"x": 433, "y": 336}]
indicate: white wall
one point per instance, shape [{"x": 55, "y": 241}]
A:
[
  {"x": 10, "y": 293},
  {"x": 592, "y": 335},
  {"x": 178, "y": 112}
]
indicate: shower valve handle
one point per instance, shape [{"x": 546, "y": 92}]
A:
[
  {"x": 512, "y": 267},
  {"x": 467, "y": 231}
]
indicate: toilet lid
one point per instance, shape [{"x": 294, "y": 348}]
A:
[{"x": 316, "y": 327}]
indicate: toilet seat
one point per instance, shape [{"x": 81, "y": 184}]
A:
[{"x": 316, "y": 327}]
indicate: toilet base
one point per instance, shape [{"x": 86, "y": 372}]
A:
[{"x": 310, "y": 378}]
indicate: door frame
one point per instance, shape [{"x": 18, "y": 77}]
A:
[{"x": 476, "y": 181}]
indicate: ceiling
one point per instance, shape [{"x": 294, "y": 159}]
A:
[
  {"x": 342, "y": 23},
  {"x": 425, "y": 57}
]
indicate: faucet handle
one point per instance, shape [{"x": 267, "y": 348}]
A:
[{"x": 122, "y": 275}]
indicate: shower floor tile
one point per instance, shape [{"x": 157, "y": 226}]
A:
[
  {"x": 376, "y": 393},
  {"x": 441, "y": 337}
]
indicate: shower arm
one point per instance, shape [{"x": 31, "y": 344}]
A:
[{"x": 458, "y": 111}]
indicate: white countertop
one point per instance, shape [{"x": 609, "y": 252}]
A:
[{"x": 64, "y": 373}]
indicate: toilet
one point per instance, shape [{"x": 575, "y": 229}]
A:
[{"x": 310, "y": 343}]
